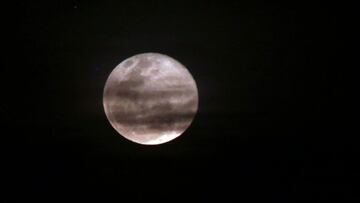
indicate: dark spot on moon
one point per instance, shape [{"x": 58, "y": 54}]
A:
[
  {"x": 144, "y": 63},
  {"x": 128, "y": 63},
  {"x": 154, "y": 71}
]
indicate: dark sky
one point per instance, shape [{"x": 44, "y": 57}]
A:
[{"x": 273, "y": 111}]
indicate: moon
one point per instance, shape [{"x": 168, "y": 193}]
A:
[{"x": 150, "y": 98}]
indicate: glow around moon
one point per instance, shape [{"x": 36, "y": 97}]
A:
[{"x": 150, "y": 98}]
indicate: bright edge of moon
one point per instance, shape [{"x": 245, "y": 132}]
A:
[{"x": 150, "y": 98}]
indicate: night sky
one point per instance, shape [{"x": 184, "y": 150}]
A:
[{"x": 273, "y": 119}]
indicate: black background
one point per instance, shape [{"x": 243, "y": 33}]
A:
[{"x": 273, "y": 121}]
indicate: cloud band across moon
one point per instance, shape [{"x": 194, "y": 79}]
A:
[{"x": 149, "y": 96}]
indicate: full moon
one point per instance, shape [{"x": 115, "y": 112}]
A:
[{"x": 150, "y": 98}]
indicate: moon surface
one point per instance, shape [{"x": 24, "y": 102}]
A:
[{"x": 150, "y": 98}]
